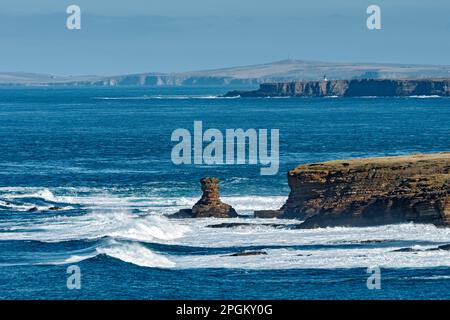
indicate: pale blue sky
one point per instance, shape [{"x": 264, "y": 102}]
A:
[{"x": 179, "y": 35}]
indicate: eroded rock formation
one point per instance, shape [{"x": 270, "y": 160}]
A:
[
  {"x": 209, "y": 204},
  {"x": 372, "y": 191}
]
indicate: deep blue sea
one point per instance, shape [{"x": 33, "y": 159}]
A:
[{"x": 103, "y": 157}]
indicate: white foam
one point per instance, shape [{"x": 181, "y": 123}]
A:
[
  {"x": 200, "y": 235},
  {"x": 136, "y": 254},
  {"x": 242, "y": 204},
  {"x": 247, "y": 204},
  {"x": 167, "y": 97},
  {"x": 17, "y": 207},
  {"x": 112, "y": 216},
  {"x": 319, "y": 259},
  {"x": 425, "y": 96},
  {"x": 97, "y": 198},
  {"x": 435, "y": 277},
  {"x": 128, "y": 252},
  {"x": 148, "y": 228},
  {"x": 95, "y": 225},
  {"x": 331, "y": 255},
  {"x": 76, "y": 259}
]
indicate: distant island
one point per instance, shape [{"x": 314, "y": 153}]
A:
[
  {"x": 350, "y": 88},
  {"x": 280, "y": 71}
]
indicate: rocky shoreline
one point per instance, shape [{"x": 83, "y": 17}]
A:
[
  {"x": 351, "y": 193},
  {"x": 350, "y": 88},
  {"x": 369, "y": 192}
]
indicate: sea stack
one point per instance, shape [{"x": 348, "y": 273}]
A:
[
  {"x": 368, "y": 192},
  {"x": 209, "y": 204}
]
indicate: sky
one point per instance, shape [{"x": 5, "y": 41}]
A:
[{"x": 133, "y": 36}]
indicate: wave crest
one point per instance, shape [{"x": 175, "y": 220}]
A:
[{"x": 136, "y": 254}]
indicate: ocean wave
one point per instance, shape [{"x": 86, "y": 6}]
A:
[
  {"x": 200, "y": 247},
  {"x": 433, "y": 277},
  {"x": 32, "y": 192},
  {"x": 75, "y": 259},
  {"x": 130, "y": 253},
  {"x": 35, "y": 199},
  {"x": 92, "y": 199},
  {"x": 166, "y": 97},
  {"x": 6, "y": 205},
  {"x": 247, "y": 204},
  {"x": 270, "y": 259},
  {"x": 136, "y": 254},
  {"x": 94, "y": 225},
  {"x": 394, "y": 236},
  {"x": 61, "y": 254},
  {"x": 425, "y": 97},
  {"x": 148, "y": 228},
  {"x": 318, "y": 259},
  {"x": 110, "y": 224}
]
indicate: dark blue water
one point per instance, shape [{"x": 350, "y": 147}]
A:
[{"x": 91, "y": 149}]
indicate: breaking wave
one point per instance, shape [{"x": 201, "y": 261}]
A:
[
  {"x": 136, "y": 254},
  {"x": 425, "y": 97},
  {"x": 167, "y": 97},
  {"x": 130, "y": 227}
]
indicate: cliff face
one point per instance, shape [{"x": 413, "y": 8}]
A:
[
  {"x": 280, "y": 71},
  {"x": 350, "y": 88},
  {"x": 374, "y": 191}
]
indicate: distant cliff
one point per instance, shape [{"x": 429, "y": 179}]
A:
[
  {"x": 280, "y": 71},
  {"x": 350, "y": 88},
  {"x": 366, "y": 192}
]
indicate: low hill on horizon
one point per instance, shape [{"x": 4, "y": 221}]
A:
[{"x": 279, "y": 71}]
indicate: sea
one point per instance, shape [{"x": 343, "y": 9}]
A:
[{"x": 102, "y": 156}]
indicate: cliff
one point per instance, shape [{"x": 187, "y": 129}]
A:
[
  {"x": 279, "y": 71},
  {"x": 372, "y": 191},
  {"x": 350, "y": 88}
]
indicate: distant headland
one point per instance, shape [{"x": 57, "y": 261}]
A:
[
  {"x": 350, "y": 88},
  {"x": 252, "y": 75}
]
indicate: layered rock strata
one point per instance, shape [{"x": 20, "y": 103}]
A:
[{"x": 367, "y": 192}]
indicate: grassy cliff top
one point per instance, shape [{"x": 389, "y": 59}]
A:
[{"x": 438, "y": 159}]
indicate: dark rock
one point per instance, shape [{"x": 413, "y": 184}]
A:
[
  {"x": 248, "y": 253},
  {"x": 183, "y": 213},
  {"x": 209, "y": 204},
  {"x": 372, "y": 241},
  {"x": 362, "y": 241},
  {"x": 444, "y": 247},
  {"x": 54, "y": 208},
  {"x": 268, "y": 213},
  {"x": 33, "y": 209},
  {"x": 405, "y": 250},
  {"x": 244, "y": 224}
]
